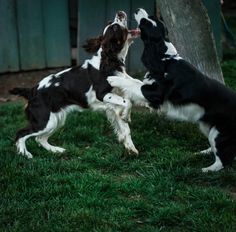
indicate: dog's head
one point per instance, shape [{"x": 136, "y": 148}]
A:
[
  {"x": 153, "y": 34},
  {"x": 115, "y": 35},
  {"x": 114, "y": 38},
  {"x": 152, "y": 29}
]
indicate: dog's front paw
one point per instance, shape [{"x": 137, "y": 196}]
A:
[{"x": 115, "y": 81}]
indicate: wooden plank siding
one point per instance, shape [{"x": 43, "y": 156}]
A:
[
  {"x": 35, "y": 34},
  {"x": 31, "y": 35},
  {"x": 9, "y": 55},
  {"x": 56, "y": 33}
]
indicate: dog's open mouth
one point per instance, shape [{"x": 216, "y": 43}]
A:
[{"x": 135, "y": 33}]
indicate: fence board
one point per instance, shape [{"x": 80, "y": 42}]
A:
[
  {"x": 213, "y": 10},
  {"x": 9, "y": 57},
  {"x": 56, "y": 37},
  {"x": 91, "y": 21},
  {"x": 31, "y": 38}
]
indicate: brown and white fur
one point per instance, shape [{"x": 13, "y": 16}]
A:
[{"x": 80, "y": 88}]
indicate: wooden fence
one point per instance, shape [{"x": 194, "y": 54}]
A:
[{"x": 36, "y": 34}]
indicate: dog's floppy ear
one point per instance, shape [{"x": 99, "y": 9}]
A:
[
  {"x": 152, "y": 18},
  {"x": 92, "y": 45}
]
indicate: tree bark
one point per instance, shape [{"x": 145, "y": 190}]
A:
[{"x": 190, "y": 32}]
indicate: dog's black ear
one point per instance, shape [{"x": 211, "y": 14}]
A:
[
  {"x": 92, "y": 45},
  {"x": 166, "y": 34},
  {"x": 153, "y": 18}
]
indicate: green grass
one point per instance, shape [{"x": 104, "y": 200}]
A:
[{"x": 96, "y": 186}]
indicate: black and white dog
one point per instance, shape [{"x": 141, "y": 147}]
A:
[
  {"x": 179, "y": 90},
  {"x": 79, "y": 88}
]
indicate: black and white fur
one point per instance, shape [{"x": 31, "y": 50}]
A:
[
  {"x": 80, "y": 88},
  {"x": 181, "y": 91}
]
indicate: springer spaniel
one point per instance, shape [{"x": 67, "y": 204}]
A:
[
  {"x": 80, "y": 88},
  {"x": 181, "y": 91}
]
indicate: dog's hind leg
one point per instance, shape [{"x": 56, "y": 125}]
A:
[
  {"x": 217, "y": 165},
  {"x": 205, "y": 129},
  {"x": 43, "y": 141},
  {"x": 21, "y": 138},
  {"x": 56, "y": 120},
  {"x": 224, "y": 148},
  {"x": 122, "y": 130}
]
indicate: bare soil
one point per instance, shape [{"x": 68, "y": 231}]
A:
[{"x": 20, "y": 79}]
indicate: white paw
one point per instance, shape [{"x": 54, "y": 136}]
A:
[
  {"x": 21, "y": 150},
  {"x": 57, "y": 149},
  {"x": 205, "y": 170},
  {"x": 212, "y": 169},
  {"x": 135, "y": 151},
  {"x": 205, "y": 152},
  {"x": 26, "y": 154},
  {"x": 132, "y": 150}
]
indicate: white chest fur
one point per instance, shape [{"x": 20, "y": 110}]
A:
[{"x": 190, "y": 112}]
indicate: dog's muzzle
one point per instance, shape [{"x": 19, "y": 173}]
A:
[{"x": 121, "y": 18}]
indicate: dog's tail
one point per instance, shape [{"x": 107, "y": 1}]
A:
[{"x": 23, "y": 92}]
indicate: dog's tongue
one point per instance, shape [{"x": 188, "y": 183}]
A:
[{"x": 134, "y": 33}]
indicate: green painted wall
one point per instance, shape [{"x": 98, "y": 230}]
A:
[
  {"x": 31, "y": 34},
  {"x": 56, "y": 33},
  {"x": 35, "y": 34},
  {"x": 9, "y": 51}
]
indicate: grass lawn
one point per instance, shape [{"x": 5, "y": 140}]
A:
[{"x": 96, "y": 186}]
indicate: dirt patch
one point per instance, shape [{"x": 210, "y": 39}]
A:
[
  {"x": 232, "y": 192},
  {"x": 21, "y": 79}
]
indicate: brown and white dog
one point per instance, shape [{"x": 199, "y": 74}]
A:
[{"x": 80, "y": 88}]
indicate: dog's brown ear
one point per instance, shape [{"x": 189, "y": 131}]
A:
[{"x": 92, "y": 45}]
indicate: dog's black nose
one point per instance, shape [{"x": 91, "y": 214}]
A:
[{"x": 136, "y": 12}]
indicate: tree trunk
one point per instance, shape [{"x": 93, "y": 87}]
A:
[{"x": 190, "y": 31}]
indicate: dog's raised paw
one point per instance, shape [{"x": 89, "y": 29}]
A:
[{"x": 114, "y": 81}]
